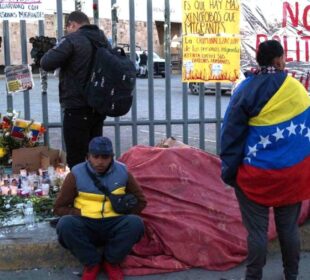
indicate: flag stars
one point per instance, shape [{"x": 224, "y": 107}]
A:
[
  {"x": 252, "y": 150},
  {"x": 278, "y": 134},
  {"x": 264, "y": 141},
  {"x": 308, "y": 133},
  {"x": 302, "y": 127},
  {"x": 299, "y": 130},
  {"x": 291, "y": 129}
]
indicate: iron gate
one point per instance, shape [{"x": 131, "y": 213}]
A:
[{"x": 118, "y": 128}]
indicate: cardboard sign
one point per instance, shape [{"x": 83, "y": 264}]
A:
[
  {"x": 32, "y": 159},
  {"x": 211, "y": 41},
  {"x": 27, "y": 158}
]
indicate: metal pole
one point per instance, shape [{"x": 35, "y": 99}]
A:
[
  {"x": 133, "y": 58},
  {"x": 167, "y": 39},
  {"x": 185, "y": 112},
  {"x": 114, "y": 22},
  {"x": 43, "y": 79},
  {"x": 96, "y": 12},
  {"x": 60, "y": 33},
  {"x": 218, "y": 117},
  {"x": 150, "y": 69},
  {"x": 202, "y": 116},
  {"x": 23, "y": 40},
  {"x": 114, "y": 44},
  {"x": 7, "y": 58}
]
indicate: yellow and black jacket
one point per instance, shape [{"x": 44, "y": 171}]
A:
[{"x": 80, "y": 196}]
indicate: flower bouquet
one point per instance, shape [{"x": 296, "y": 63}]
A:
[{"x": 17, "y": 133}]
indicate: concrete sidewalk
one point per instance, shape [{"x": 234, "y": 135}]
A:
[
  {"x": 272, "y": 271},
  {"x": 22, "y": 252}
]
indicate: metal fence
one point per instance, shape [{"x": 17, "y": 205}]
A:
[{"x": 132, "y": 121}]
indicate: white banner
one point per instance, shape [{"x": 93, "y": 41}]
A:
[{"x": 15, "y": 10}]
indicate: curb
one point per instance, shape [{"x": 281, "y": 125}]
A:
[{"x": 21, "y": 248}]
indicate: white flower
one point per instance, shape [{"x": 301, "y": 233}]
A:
[
  {"x": 15, "y": 115},
  {"x": 7, "y": 206},
  {"x": 29, "y": 134}
]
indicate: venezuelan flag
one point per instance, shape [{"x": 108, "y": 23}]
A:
[
  {"x": 276, "y": 166},
  {"x": 18, "y": 129}
]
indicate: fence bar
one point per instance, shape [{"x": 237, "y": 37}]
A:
[
  {"x": 96, "y": 12},
  {"x": 150, "y": 70},
  {"x": 43, "y": 79},
  {"x": 201, "y": 116},
  {"x": 114, "y": 44},
  {"x": 60, "y": 33},
  {"x": 185, "y": 112},
  {"x": 147, "y": 122},
  {"x": 23, "y": 41},
  {"x": 132, "y": 25},
  {"x": 7, "y": 58},
  {"x": 114, "y": 22},
  {"x": 218, "y": 117},
  {"x": 167, "y": 40}
]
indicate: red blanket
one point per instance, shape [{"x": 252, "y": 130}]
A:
[{"x": 192, "y": 219}]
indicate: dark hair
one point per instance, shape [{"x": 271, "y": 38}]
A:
[
  {"x": 267, "y": 51},
  {"x": 78, "y": 17}
]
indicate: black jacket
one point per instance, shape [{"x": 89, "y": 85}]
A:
[{"x": 73, "y": 55}]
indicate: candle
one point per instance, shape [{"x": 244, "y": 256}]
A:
[
  {"x": 45, "y": 189},
  {"x": 5, "y": 190},
  {"x": 13, "y": 190}
]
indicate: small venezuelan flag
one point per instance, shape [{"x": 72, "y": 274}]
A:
[
  {"x": 276, "y": 167},
  {"x": 18, "y": 129}
]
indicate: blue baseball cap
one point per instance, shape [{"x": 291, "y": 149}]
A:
[{"x": 100, "y": 146}]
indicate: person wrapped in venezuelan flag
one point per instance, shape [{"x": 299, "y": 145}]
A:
[{"x": 265, "y": 152}]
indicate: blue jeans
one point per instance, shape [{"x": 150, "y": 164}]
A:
[
  {"x": 255, "y": 218},
  {"x": 81, "y": 236}
]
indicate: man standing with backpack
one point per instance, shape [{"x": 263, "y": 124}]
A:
[{"x": 73, "y": 55}]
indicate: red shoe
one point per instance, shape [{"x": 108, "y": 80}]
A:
[
  {"x": 91, "y": 272},
  {"x": 113, "y": 271}
]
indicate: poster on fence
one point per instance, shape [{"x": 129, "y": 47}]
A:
[
  {"x": 286, "y": 21},
  {"x": 14, "y": 10},
  {"x": 211, "y": 40},
  {"x": 18, "y": 78}
]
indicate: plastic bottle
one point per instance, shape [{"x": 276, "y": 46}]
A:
[{"x": 29, "y": 215}]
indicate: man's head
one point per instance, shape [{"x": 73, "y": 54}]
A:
[
  {"x": 271, "y": 53},
  {"x": 75, "y": 20},
  {"x": 100, "y": 153}
]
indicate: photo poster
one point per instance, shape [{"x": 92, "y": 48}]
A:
[
  {"x": 18, "y": 78},
  {"x": 211, "y": 40}
]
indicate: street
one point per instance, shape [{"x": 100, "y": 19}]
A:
[{"x": 142, "y": 98}]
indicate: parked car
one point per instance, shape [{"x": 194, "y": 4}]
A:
[
  {"x": 158, "y": 62},
  {"x": 158, "y": 65},
  {"x": 210, "y": 87}
]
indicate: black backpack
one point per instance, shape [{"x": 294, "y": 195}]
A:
[{"x": 112, "y": 80}]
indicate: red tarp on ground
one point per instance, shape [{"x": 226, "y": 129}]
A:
[{"x": 192, "y": 219}]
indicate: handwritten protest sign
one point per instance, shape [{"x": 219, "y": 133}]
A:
[
  {"x": 18, "y": 78},
  {"x": 15, "y": 10},
  {"x": 211, "y": 42}
]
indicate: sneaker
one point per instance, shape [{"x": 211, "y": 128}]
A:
[
  {"x": 91, "y": 272},
  {"x": 113, "y": 271}
]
